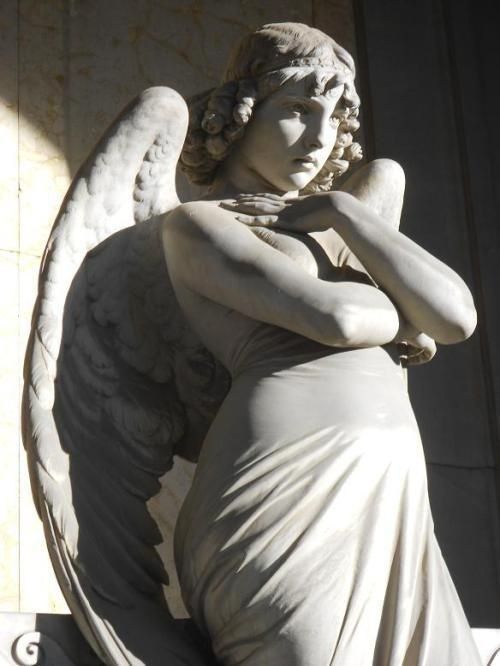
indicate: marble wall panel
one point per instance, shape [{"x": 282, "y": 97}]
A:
[
  {"x": 337, "y": 18},
  {"x": 9, "y": 225},
  {"x": 9, "y": 432},
  {"x": 464, "y": 507},
  {"x": 117, "y": 49},
  {"x": 43, "y": 175}
]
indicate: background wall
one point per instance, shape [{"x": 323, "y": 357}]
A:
[
  {"x": 426, "y": 76},
  {"x": 429, "y": 82}
]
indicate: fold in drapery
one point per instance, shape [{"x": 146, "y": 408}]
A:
[{"x": 307, "y": 538}]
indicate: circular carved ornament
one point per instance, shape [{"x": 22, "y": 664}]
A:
[{"x": 36, "y": 649}]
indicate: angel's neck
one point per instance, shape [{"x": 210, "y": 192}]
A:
[{"x": 235, "y": 178}]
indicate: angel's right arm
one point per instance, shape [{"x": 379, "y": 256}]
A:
[{"x": 215, "y": 256}]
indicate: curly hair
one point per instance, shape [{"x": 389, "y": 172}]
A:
[{"x": 263, "y": 61}]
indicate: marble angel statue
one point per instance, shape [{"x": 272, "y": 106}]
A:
[{"x": 276, "y": 338}]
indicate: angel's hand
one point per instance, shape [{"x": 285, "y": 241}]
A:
[
  {"x": 298, "y": 214},
  {"x": 260, "y": 210},
  {"x": 417, "y": 350}
]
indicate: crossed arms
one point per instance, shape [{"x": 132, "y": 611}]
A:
[{"x": 213, "y": 255}]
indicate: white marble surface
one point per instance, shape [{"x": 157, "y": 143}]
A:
[
  {"x": 9, "y": 428},
  {"x": 9, "y": 228}
]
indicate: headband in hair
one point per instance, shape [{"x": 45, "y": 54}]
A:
[{"x": 312, "y": 62}]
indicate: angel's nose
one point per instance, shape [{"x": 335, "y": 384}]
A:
[{"x": 320, "y": 132}]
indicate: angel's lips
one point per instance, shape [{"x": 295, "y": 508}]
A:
[{"x": 308, "y": 163}]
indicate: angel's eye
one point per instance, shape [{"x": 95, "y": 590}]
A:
[{"x": 298, "y": 109}]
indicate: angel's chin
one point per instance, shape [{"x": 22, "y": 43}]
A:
[{"x": 296, "y": 181}]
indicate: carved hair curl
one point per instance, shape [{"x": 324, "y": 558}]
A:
[{"x": 263, "y": 61}]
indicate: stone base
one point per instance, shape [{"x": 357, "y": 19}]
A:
[{"x": 29, "y": 639}]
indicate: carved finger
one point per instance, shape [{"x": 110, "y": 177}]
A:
[
  {"x": 409, "y": 354},
  {"x": 414, "y": 358},
  {"x": 255, "y": 209},
  {"x": 262, "y": 195},
  {"x": 418, "y": 359},
  {"x": 419, "y": 356},
  {"x": 228, "y": 203},
  {"x": 257, "y": 220},
  {"x": 240, "y": 206},
  {"x": 263, "y": 200}
]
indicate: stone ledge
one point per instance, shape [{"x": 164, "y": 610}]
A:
[
  {"x": 29, "y": 639},
  {"x": 49, "y": 639}
]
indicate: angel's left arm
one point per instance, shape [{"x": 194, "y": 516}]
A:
[{"x": 429, "y": 294}]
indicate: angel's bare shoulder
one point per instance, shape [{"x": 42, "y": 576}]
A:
[
  {"x": 204, "y": 230},
  {"x": 200, "y": 215}
]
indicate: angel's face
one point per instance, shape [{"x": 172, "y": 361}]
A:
[{"x": 288, "y": 139}]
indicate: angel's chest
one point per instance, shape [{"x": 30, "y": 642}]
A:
[{"x": 313, "y": 254}]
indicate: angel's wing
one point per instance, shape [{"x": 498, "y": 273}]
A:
[{"x": 109, "y": 359}]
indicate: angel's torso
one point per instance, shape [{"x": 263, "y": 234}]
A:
[
  {"x": 322, "y": 254},
  {"x": 288, "y": 391},
  {"x": 287, "y": 388},
  {"x": 241, "y": 342}
]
